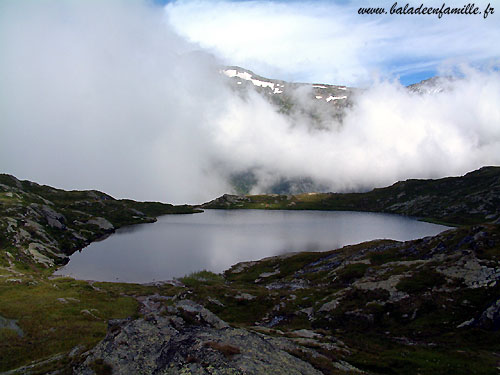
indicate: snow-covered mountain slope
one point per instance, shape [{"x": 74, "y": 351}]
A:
[
  {"x": 321, "y": 92},
  {"x": 320, "y": 106}
]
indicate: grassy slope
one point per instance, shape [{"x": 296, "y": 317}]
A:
[
  {"x": 60, "y": 315},
  {"x": 95, "y": 202}
]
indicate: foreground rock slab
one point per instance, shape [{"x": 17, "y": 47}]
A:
[{"x": 189, "y": 339}]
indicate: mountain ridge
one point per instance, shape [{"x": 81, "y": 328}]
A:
[{"x": 450, "y": 200}]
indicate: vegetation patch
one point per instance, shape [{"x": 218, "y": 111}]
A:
[
  {"x": 421, "y": 281},
  {"x": 352, "y": 272},
  {"x": 55, "y": 316},
  {"x": 201, "y": 278}
]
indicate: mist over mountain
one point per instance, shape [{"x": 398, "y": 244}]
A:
[
  {"x": 338, "y": 138},
  {"x": 115, "y": 100}
]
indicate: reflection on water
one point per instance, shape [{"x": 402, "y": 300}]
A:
[{"x": 179, "y": 244}]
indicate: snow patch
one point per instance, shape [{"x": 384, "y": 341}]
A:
[
  {"x": 247, "y": 77},
  {"x": 335, "y": 98}
]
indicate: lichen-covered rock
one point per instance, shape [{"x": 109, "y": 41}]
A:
[
  {"x": 471, "y": 270},
  {"x": 181, "y": 344},
  {"x": 101, "y": 222},
  {"x": 54, "y": 219}
]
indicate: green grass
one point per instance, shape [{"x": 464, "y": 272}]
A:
[
  {"x": 352, "y": 272},
  {"x": 201, "y": 278},
  {"x": 381, "y": 356},
  {"x": 421, "y": 281},
  {"x": 51, "y": 326}
]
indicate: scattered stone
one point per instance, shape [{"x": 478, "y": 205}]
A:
[
  {"x": 269, "y": 274},
  {"x": 275, "y": 321},
  {"x": 329, "y": 306},
  {"x": 244, "y": 296},
  {"x": 242, "y": 266},
  {"x": 306, "y": 333},
  {"x": 215, "y": 301},
  {"x": 467, "y": 323},
  {"x": 308, "y": 311},
  {"x": 90, "y": 313},
  {"x": 11, "y": 324},
  {"x": 291, "y": 285}
]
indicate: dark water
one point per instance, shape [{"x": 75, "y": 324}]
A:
[{"x": 177, "y": 245}]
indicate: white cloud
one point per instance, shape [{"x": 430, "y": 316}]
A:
[{"x": 329, "y": 42}]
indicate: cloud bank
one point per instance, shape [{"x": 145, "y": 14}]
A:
[
  {"x": 108, "y": 96},
  {"x": 389, "y": 134},
  {"x": 104, "y": 95}
]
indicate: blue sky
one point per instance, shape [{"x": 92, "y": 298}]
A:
[{"x": 328, "y": 41}]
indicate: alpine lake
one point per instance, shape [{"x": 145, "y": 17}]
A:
[{"x": 177, "y": 245}]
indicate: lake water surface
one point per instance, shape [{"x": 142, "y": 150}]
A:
[{"x": 177, "y": 245}]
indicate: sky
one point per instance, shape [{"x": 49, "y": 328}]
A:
[
  {"x": 126, "y": 97},
  {"x": 329, "y": 42}
]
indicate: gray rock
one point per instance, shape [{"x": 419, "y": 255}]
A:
[
  {"x": 269, "y": 274},
  {"x": 204, "y": 314},
  {"x": 54, "y": 219},
  {"x": 11, "y": 324},
  {"x": 101, "y": 223},
  {"x": 245, "y": 297},
  {"x": 490, "y": 318},
  {"x": 164, "y": 345},
  {"x": 306, "y": 333},
  {"x": 467, "y": 323}
]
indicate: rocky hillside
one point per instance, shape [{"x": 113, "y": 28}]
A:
[
  {"x": 42, "y": 225},
  {"x": 473, "y": 198}
]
